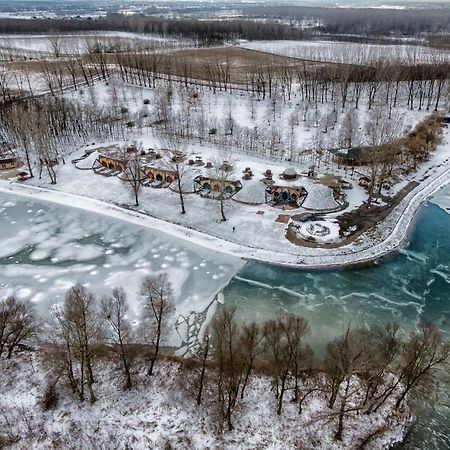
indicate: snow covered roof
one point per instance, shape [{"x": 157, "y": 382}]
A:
[
  {"x": 290, "y": 172},
  {"x": 88, "y": 162},
  {"x": 319, "y": 198},
  {"x": 253, "y": 192}
]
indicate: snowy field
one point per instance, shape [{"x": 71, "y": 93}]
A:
[
  {"x": 46, "y": 248},
  {"x": 349, "y": 52},
  {"x": 79, "y": 43}
]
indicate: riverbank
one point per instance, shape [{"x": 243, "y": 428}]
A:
[{"x": 383, "y": 239}]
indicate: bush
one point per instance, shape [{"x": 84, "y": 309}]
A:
[{"x": 51, "y": 397}]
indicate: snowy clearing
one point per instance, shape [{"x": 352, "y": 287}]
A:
[{"x": 348, "y": 52}]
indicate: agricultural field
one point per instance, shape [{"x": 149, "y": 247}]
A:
[{"x": 349, "y": 52}]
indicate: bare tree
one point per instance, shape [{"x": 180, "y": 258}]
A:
[
  {"x": 202, "y": 359},
  {"x": 176, "y": 160},
  {"x": 132, "y": 172},
  {"x": 423, "y": 354},
  {"x": 280, "y": 358},
  {"x": 158, "y": 305},
  {"x": 18, "y": 324},
  {"x": 222, "y": 174},
  {"x": 55, "y": 41},
  {"x": 296, "y": 328},
  {"x": 79, "y": 328},
  {"x": 114, "y": 310},
  {"x": 346, "y": 356},
  {"x": 229, "y": 362},
  {"x": 386, "y": 348},
  {"x": 250, "y": 342}
]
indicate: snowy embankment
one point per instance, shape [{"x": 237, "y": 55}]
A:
[
  {"x": 383, "y": 239},
  {"x": 159, "y": 413}
]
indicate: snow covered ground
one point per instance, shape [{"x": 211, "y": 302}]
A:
[
  {"x": 78, "y": 43},
  {"x": 158, "y": 413},
  {"x": 256, "y": 236},
  {"x": 348, "y": 52}
]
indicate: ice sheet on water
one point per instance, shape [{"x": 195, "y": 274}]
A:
[
  {"x": 442, "y": 199},
  {"x": 47, "y": 248}
]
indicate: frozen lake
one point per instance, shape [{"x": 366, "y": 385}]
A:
[{"x": 45, "y": 248}]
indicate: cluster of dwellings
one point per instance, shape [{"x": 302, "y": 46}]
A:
[
  {"x": 112, "y": 161},
  {"x": 159, "y": 172}
]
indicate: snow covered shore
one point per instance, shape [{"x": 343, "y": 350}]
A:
[{"x": 383, "y": 239}]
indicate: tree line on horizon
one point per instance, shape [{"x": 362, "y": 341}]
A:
[{"x": 279, "y": 22}]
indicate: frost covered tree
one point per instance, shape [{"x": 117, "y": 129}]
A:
[
  {"x": 114, "y": 311},
  {"x": 157, "y": 300},
  {"x": 76, "y": 328},
  {"x": 228, "y": 361}
]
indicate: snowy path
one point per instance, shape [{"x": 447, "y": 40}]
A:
[{"x": 385, "y": 238}]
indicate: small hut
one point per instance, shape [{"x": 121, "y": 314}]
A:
[
  {"x": 112, "y": 159},
  {"x": 286, "y": 195},
  {"x": 210, "y": 187},
  {"x": 290, "y": 174},
  {"x": 161, "y": 176},
  {"x": 8, "y": 162}
]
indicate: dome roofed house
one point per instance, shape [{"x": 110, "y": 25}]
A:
[
  {"x": 211, "y": 187},
  {"x": 286, "y": 195},
  {"x": 158, "y": 176},
  {"x": 289, "y": 174}
]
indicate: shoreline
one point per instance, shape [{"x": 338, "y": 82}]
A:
[{"x": 389, "y": 240}]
